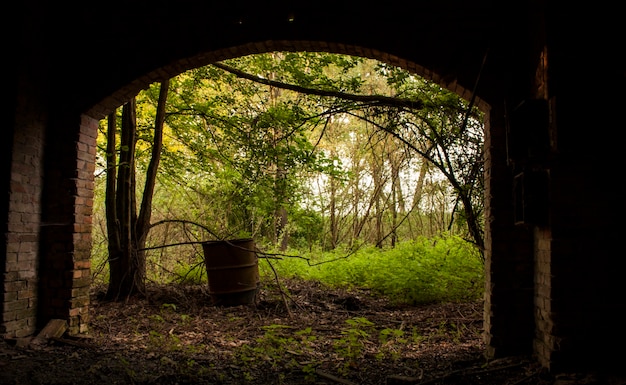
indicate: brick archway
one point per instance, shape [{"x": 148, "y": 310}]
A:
[
  {"x": 553, "y": 286},
  {"x": 67, "y": 171},
  {"x": 514, "y": 244},
  {"x": 120, "y": 96}
]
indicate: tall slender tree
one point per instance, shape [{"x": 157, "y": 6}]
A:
[{"x": 127, "y": 229}]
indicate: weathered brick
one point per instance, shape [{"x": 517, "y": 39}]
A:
[
  {"x": 15, "y": 285},
  {"x": 16, "y": 305}
]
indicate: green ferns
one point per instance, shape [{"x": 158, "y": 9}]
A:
[{"x": 426, "y": 270}]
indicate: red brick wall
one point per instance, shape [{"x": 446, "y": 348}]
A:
[
  {"x": 66, "y": 230},
  {"x": 20, "y": 278}
]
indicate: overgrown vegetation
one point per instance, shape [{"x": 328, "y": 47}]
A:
[
  {"x": 439, "y": 269},
  {"x": 426, "y": 270},
  {"x": 343, "y": 170}
]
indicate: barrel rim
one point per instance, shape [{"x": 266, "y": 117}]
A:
[{"x": 237, "y": 240}]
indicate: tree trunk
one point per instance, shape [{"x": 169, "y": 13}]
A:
[
  {"x": 377, "y": 177},
  {"x": 117, "y": 263},
  {"x": 417, "y": 196},
  {"x": 122, "y": 269},
  {"x": 142, "y": 227},
  {"x": 332, "y": 208},
  {"x": 396, "y": 197},
  {"x": 127, "y": 230}
]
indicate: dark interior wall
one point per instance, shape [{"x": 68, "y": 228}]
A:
[
  {"x": 133, "y": 39},
  {"x": 587, "y": 80},
  {"x": 588, "y": 83}
]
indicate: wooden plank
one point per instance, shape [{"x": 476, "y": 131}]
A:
[{"x": 55, "y": 328}]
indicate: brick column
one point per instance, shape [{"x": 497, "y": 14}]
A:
[
  {"x": 19, "y": 259},
  {"x": 66, "y": 223},
  {"x": 508, "y": 317},
  {"x": 22, "y": 237}
]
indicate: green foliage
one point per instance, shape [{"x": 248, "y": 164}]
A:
[
  {"x": 237, "y": 152},
  {"x": 190, "y": 274},
  {"x": 278, "y": 348},
  {"x": 283, "y": 347},
  {"x": 306, "y": 228},
  {"x": 351, "y": 346},
  {"x": 389, "y": 340},
  {"x": 358, "y": 335},
  {"x": 440, "y": 269}
]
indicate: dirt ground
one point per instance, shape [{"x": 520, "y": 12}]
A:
[{"x": 302, "y": 333}]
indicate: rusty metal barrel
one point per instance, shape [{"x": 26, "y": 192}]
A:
[{"x": 233, "y": 271}]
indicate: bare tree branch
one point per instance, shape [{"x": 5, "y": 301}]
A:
[{"x": 379, "y": 100}]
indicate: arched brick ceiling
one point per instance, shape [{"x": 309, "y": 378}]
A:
[
  {"x": 125, "y": 93},
  {"x": 102, "y": 53}
]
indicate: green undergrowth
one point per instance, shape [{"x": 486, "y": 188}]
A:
[{"x": 425, "y": 270}]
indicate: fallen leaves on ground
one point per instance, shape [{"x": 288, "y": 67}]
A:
[{"x": 299, "y": 333}]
